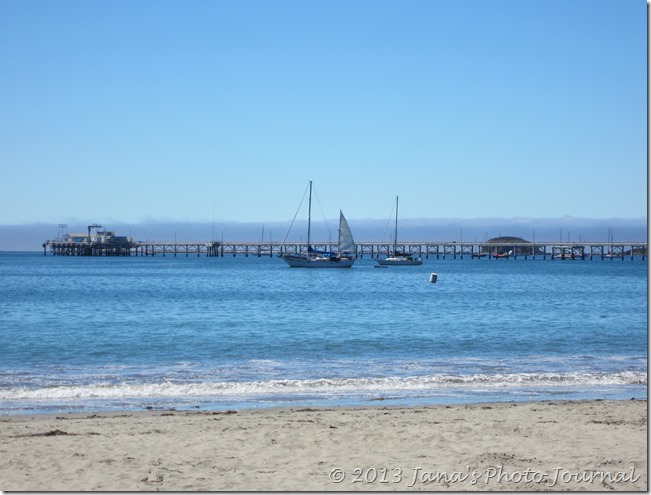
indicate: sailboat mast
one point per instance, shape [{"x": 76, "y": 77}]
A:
[
  {"x": 309, "y": 216},
  {"x": 395, "y": 231}
]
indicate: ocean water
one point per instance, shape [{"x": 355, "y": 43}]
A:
[{"x": 95, "y": 334}]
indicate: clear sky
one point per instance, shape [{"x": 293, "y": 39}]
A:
[{"x": 131, "y": 111}]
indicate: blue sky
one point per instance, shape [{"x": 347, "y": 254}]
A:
[{"x": 130, "y": 112}]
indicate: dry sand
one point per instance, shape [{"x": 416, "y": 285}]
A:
[{"x": 591, "y": 445}]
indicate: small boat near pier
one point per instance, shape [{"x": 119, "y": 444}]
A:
[{"x": 397, "y": 258}]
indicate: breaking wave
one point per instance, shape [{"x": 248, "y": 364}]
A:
[{"x": 323, "y": 387}]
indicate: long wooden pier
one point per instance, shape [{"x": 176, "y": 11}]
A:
[{"x": 426, "y": 249}]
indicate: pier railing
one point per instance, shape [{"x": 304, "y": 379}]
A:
[{"x": 425, "y": 249}]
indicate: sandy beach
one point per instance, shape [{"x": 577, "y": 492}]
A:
[{"x": 583, "y": 445}]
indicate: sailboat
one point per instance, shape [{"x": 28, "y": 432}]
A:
[
  {"x": 343, "y": 258},
  {"x": 396, "y": 258}
]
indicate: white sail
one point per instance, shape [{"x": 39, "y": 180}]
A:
[{"x": 346, "y": 242}]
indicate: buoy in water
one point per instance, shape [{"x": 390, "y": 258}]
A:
[{"x": 432, "y": 278}]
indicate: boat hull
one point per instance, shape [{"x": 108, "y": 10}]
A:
[
  {"x": 399, "y": 262},
  {"x": 331, "y": 262}
]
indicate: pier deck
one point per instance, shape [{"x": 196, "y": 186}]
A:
[{"x": 426, "y": 250}]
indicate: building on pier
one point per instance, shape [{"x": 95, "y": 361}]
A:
[
  {"x": 99, "y": 243},
  {"x": 510, "y": 246}
]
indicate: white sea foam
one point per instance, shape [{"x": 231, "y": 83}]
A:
[{"x": 322, "y": 387}]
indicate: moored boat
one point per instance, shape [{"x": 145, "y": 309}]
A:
[
  {"x": 397, "y": 258},
  {"x": 344, "y": 257}
]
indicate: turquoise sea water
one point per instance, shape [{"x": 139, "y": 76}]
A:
[{"x": 82, "y": 334}]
